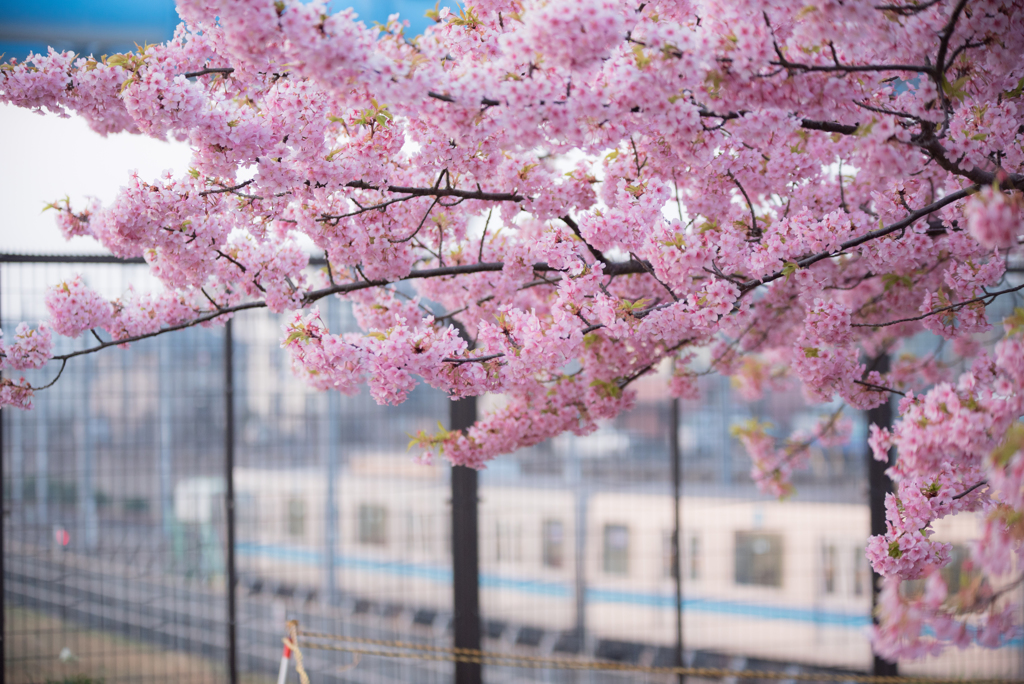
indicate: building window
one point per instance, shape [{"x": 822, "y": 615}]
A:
[
  {"x": 373, "y": 524},
  {"x": 553, "y": 540},
  {"x": 616, "y": 550},
  {"x": 296, "y": 518},
  {"x": 759, "y": 559},
  {"x": 828, "y": 568}
]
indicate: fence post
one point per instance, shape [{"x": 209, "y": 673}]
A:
[
  {"x": 42, "y": 470},
  {"x": 87, "y": 529},
  {"x": 332, "y": 435},
  {"x": 165, "y": 439},
  {"x": 677, "y": 525},
  {"x": 878, "y": 487},
  {"x": 229, "y": 497},
  {"x": 465, "y": 551},
  {"x": 582, "y": 497}
]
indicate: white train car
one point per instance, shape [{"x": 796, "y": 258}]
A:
[{"x": 778, "y": 580}]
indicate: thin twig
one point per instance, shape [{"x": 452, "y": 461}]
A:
[{"x": 988, "y": 295}]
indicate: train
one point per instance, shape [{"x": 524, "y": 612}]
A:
[{"x": 783, "y": 581}]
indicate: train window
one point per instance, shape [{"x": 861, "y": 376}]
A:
[
  {"x": 616, "y": 550},
  {"x": 955, "y": 574},
  {"x": 296, "y": 518},
  {"x": 693, "y": 557},
  {"x": 246, "y": 520},
  {"x": 759, "y": 559},
  {"x": 828, "y": 568},
  {"x": 668, "y": 556},
  {"x": 373, "y": 524},
  {"x": 861, "y": 573},
  {"x": 508, "y": 542},
  {"x": 553, "y": 541}
]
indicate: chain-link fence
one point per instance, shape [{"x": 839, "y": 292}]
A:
[{"x": 116, "y": 526}]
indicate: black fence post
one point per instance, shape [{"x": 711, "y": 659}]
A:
[
  {"x": 465, "y": 551},
  {"x": 677, "y": 555},
  {"x": 878, "y": 487},
  {"x": 229, "y": 499}
]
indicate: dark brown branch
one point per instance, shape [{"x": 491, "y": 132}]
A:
[
  {"x": 755, "y": 232},
  {"x": 485, "y": 102},
  {"x": 598, "y": 254},
  {"x": 475, "y": 359},
  {"x": 225, "y": 189},
  {"x": 902, "y": 224},
  {"x": 63, "y": 365},
  {"x": 442, "y": 192},
  {"x": 614, "y": 268},
  {"x": 828, "y": 126},
  {"x": 991, "y": 296},
  {"x": 209, "y": 70},
  {"x": 907, "y": 10},
  {"x": 879, "y": 388},
  {"x": 181, "y": 326},
  {"x": 970, "y": 489},
  {"x": 944, "y": 37}
]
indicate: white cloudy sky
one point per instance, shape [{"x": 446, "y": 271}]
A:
[{"x": 45, "y": 158}]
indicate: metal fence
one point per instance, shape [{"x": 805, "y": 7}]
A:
[{"x": 116, "y": 534}]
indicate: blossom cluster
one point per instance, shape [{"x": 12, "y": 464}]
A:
[{"x": 551, "y": 199}]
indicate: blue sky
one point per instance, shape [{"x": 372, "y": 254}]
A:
[{"x": 108, "y": 26}]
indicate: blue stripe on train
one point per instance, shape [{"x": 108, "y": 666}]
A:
[
  {"x": 443, "y": 575},
  {"x": 557, "y": 589}
]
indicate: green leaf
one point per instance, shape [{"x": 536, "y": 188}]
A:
[
  {"x": 865, "y": 128},
  {"x": 789, "y": 268},
  {"x": 955, "y": 89},
  {"x": 812, "y": 353},
  {"x": 1014, "y": 323},
  {"x": 607, "y": 389},
  {"x": 1011, "y": 444},
  {"x": 1016, "y": 91}
]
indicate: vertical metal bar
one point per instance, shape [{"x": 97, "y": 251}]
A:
[
  {"x": 17, "y": 449},
  {"x": 878, "y": 487},
  {"x": 229, "y": 498},
  {"x": 677, "y": 556},
  {"x": 582, "y": 496},
  {"x": 465, "y": 550},
  {"x": 42, "y": 470},
  {"x": 164, "y": 473},
  {"x": 88, "y": 525},
  {"x": 333, "y": 439}
]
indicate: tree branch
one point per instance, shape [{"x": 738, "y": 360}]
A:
[
  {"x": 209, "y": 70},
  {"x": 870, "y": 235},
  {"x": 991, "y": 296}
]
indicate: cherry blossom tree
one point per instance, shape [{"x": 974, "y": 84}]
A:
[{"x": 549, "y": 199}]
